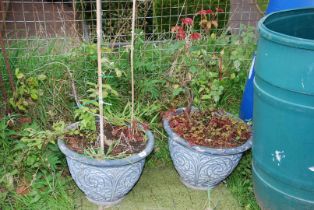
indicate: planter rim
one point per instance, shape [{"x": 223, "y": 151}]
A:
[
  {"x": 226, "y": 151},
  {"x": 109, "y": 163}
]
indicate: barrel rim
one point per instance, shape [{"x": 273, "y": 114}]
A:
[{"x": 282, "y": 38}]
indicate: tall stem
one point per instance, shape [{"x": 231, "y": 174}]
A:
[
  {"x": 100, "y": 90},
  {"x": 132, "y": 60},
  {"x": 7, "y": 63}
]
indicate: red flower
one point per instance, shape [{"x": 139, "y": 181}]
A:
[
  {"x": 209, "y": 11},
  {"x": 202, "y": 12},
  {"x": 195, "y": 36},
  {"x": 219, "y": 10},
  {"x": 180, "y": 35},
  {"x": 187, "y": 21},
  {"x": 176, "y": 28}
]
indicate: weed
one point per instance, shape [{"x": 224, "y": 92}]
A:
[
  {"x": 240, "y": 183},
  {"x": 31, "y": 175}
]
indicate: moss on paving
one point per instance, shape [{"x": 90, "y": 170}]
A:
[{"x": 161, "y": 189}]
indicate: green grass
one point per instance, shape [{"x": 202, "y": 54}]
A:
[
  {"x": 240, "y": 183},
  {"x": 39, "y": 172}
]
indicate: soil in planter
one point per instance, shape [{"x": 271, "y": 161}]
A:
[
  {"x": 213, "y": 129},
  {"x": 125, "y": 143}
]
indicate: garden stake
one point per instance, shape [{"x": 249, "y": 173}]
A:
[
  {"x": 220, "y": 67},
  {"x": 100, "y": 93},
  {"x": 132, "y": 62},
  {"x": 7, "y": 63}
]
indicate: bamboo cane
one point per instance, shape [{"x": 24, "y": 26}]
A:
[
  {"x": 132, "y": 61},
  {"x": 99, "y": 72}
]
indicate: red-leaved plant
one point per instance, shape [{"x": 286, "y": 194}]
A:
[
  {"x": 186, "y": 32},
  {"x": 209, "y": 19}
]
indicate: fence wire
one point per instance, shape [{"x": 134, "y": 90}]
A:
[
  {"x": 48, "y": 20},
  {"x": 31, "y": 28}
]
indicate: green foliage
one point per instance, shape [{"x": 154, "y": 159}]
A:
[
  {"x": 31, "y": 169},
  {"x": 34, "y": 137},
  {"x": 87, "y": 112},
  {"x": 237, "y": 57},
  {"x": 87, "y": 117},
  {"x": 27, "y": 91},
  {"x": 240, "y": 183},
  {"x": 215, "y": 68}
]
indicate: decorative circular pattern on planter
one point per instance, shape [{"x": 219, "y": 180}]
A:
[
  {"x": 105, "y": 184},
  {"x": 201, "y": 171}
]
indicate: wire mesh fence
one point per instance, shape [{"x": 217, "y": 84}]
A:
[
  {"x": 36, "y": 32},
  {"x": 38, "y": 19}
]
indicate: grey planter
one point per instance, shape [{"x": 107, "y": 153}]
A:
[
  {"x": 106, "y": 182},
  {"x": 201, "y": 167}
]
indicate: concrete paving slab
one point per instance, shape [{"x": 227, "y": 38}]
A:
[{"x": 161, "y": 189}]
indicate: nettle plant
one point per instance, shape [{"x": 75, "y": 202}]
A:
[{"x": 190, "y": 67}]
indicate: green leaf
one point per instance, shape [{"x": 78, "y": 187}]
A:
[
  {"x": 232, "y": 76},
  {"x": 206, "y": 97},
  {"x": 21, "y": 107},
  {"x": 41, "y": 77},
  {"x": 18, "y": 74},
  {"x": 193, "y": 69},
  {"x": 118, "y": 72},
  {"x": 34, "y": 94},
  {"x": 216, "y": 98},
  {"x": 177, "y": 91}
]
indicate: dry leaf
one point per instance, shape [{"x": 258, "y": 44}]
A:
[
  {"x": 209, "y": 25},
  {"x": 214, "y": 23},
  {"x": 23, "y": 188},
  {"x": 203, "y": 24}
]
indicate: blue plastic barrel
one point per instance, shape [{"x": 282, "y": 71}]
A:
[
  {"x": 246, "y": 108},
  {"x": 279, "y": 5}
]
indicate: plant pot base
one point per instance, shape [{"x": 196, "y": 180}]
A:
[
  {"x": 105, "y": 204},
  {"x": 105, "y": 182},
  {"x": 188, "y": 185}
]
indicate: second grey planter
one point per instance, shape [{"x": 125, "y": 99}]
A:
[
  {"x": 106, "y": 182},
  {"x": 201, "y": 167}
]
